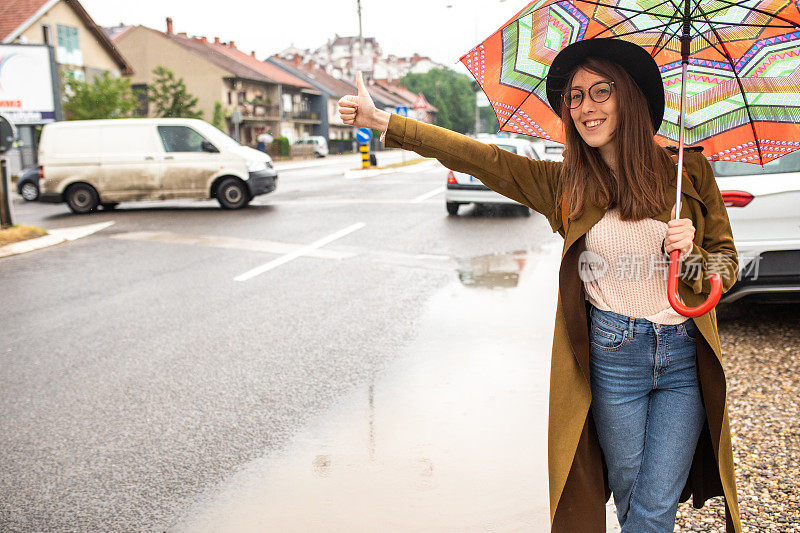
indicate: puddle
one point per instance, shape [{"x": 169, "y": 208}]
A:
[
  {"x": 494, "y": 271},
  {"x": 451, "y": 437}
]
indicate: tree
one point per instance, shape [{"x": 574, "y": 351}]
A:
[
  {"x": 170, "y": 97},
  {"x": 449, "y": 91},
  {"x": 218, "y": 118},
  {"x": 104, "y": 97}
]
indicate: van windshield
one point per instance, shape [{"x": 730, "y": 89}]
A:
[{"x": 220, "y": 139}]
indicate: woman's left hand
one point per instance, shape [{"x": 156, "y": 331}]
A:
[{"x": 680, "y": 234}]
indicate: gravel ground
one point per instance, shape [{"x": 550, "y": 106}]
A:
[{"x": 762, "y": 348}]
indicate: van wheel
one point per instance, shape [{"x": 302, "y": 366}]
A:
[
  {"x": 232, "y": 194},
  {"x": 82, "y": 198},
  {"x": 452, "y": 208},
  {"x": 108, "y": 206}
]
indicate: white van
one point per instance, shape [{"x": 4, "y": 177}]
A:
[{"x": 87, "y": 163}]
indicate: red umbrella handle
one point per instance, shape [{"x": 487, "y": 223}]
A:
[{"x": 672, "y": 289}]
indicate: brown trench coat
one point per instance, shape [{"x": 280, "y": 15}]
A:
[{"x": 578, "y": 484}]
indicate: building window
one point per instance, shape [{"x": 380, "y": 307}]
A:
[
  {"x": 230, "y": 98},
  {"x": 46, "y": 34},
  {"x": 242, "y": 96},
  {"x": 69, "y": 51},
  {"x": 140, "y": 91}
]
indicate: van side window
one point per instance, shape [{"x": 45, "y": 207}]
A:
[{"x": 180, "y": 139}]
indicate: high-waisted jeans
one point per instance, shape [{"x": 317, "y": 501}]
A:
[{"x": 648, "y": 412}]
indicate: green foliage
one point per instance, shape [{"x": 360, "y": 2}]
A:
[
  {"x": 452, "y": 93},
  {"x": 104, "y": 97},
  {"x": 489, "y": 122},
  {"x": 284, "y": 143},
  {"x": 170, "y": 97},
  {"x": 218, "y": 119}
]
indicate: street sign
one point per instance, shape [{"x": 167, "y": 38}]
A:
[
  {"x": 363, "y": 135},
  {"x": 7, "y": 135},
  {"x": 236, "y": 116},
  {"x": 401, "y": 110}
]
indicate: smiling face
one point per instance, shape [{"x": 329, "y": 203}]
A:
[{"x": 595, "y": 122}]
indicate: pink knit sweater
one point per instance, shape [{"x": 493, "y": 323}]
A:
[{"x": 624, "y": 271}]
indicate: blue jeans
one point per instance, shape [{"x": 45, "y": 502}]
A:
[{"x": 648, "y": 412}]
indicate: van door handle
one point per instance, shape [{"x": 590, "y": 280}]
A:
[
  {"x": 169, "y": 157},
  {"x": 148, "y": 158}
]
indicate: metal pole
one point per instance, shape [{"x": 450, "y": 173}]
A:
[
  {"x": 686, "y": 41},
  {"x": 6, "y": 219},
  {"x": 360, "y": 33}
]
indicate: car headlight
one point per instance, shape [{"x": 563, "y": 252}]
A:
[{"x": 255, "y": 166}]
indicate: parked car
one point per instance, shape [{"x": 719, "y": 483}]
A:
[
  {"x": 88, "y": 163},
  {"x": 319, "y": 143},
  {"x": 28, "y": 184},
  {"x": 762, "y": 204},
  {"x": 462, "y": 188}
]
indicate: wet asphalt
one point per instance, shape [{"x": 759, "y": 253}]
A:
[{"x": 141, "y": 384}]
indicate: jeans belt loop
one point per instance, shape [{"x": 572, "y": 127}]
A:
[{"x": 631, "y": 322}]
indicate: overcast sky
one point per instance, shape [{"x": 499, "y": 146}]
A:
[{"x": 428, "y": 27}]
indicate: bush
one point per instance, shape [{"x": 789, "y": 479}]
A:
[{"x": 284, "y": 144}]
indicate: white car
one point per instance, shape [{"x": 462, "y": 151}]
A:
[
  {"x": 319, "y": 143},
  {"x": 764, "y": 209},
  {"x": 462, "y": 188}
]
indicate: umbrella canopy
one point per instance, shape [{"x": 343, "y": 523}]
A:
[{"x": 742, "y": 81}]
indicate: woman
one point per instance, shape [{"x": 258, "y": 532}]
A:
[{"x": 637, "y": 391}]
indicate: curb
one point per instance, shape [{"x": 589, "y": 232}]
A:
[
  {"x": 369, "y": 173},
  {"x": 56, "y": 236}
]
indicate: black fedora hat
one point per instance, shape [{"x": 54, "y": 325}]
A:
[{"x": 631, "y": 57}]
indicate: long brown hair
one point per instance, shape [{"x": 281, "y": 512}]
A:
[{"x": 639, "y": 189}]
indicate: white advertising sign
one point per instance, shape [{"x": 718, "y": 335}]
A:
[{"x": 26, "y": 84}]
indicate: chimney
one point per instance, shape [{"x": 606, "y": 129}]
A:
[
  {"x": 169, "y": 25},
  {"x": 297, "y": 60},
  {"x": 216, "y": 40},
  {"x": 203, "y": 40},
  {"x": 253, "y": 54},
  {"x": 231, "y": 44}
]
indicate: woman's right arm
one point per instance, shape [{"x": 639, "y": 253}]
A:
[{"x": 533, "y": 183}]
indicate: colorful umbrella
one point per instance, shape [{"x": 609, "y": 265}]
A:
[{"x": 731, "y": 71}]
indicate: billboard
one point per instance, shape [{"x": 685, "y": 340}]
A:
[{"x": 28, "y": 85}]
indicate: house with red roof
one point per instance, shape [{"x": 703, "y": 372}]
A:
[{"x": 261, "y": 95}]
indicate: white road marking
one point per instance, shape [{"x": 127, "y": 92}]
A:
[
  {"x": 229, "y": 243},
  {"x": 297, "y": 253},
  {"x": 427, "y": 195}
]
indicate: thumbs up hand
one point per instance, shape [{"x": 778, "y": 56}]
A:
[{"x": 360, "y": 110}]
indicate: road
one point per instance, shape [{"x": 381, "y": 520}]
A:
[{"x": 340, "y": 355}]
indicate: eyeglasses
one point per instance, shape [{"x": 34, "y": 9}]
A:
[{"x": 599, "y": 92}]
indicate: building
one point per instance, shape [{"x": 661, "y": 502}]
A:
[
  {"x": 332, "y": 89},
  {"x": 81, "y": 51},
  {"x": 343, "y": 57},
  {"x": 254, "y": 95}
]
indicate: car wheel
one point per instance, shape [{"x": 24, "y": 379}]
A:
[
  {"x": 452, "y": 208},
  {"x": 232, "y": 194},
  {"x": 82, "y": 198},
  {"x": 524, "y": 210},
  {"x": 108, "y": 206},
  {"x": 29, "y": 192}
]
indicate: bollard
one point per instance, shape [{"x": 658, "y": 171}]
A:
[
  {"x": 364, "y": 148},
  {"x": 6, "y": 220}
]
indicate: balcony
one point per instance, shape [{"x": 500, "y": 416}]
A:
[
  {"x": 252, "y": 111},
  {"x": 306, "y": 117}
]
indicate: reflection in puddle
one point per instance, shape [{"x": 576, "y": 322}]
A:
[
  {"x": 451, "y": 437},
  {"x": 494, "y": 271}
]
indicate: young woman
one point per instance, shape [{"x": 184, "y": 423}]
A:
[{"x": 637, "y": 391}]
